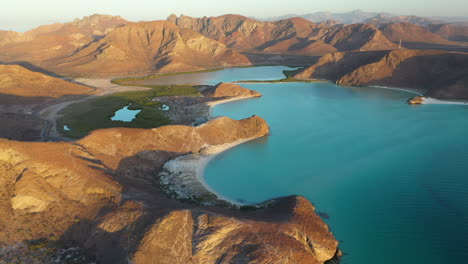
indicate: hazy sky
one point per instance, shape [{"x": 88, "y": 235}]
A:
[{"x": 21, "y": 15}]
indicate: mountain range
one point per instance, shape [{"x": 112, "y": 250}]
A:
[
  {"x": 103, "y": 45},
  {"x": 360, "y": 16}
]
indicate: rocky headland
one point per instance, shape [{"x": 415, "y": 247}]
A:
[
  {"x": 439, "y": 74},
  {"x": 102, "y": 193}
]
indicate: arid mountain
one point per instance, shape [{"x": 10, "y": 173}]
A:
[
  {"x": 51, "y": 41},
  {"x": 454, "y": 32},
  {"x": 91, "y": 192},
  {"x": 335, "y": 65},
  {"x": 441, "y": 74},
  {"x": 11, "y": 37},
  {"x": 147, "y": 47},
  {"x": 352, "y": 17},
  {"x": 381, "y": 19},
  {"x": 294, "y": 35},
  {"x": 407, "y": 32},
  {"x": 19, "y": 81}
]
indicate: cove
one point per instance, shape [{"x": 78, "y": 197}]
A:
[{"x": 390, "y": 179}]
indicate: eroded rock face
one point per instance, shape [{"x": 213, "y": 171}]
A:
[
  {"x": 99, "y": 193},
  {"x": 230, "y": 90}
]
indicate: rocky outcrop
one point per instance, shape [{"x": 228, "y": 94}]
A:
[
  {"x": 229, "y": 90},
  {"x": 189, "y": 236},
  {"x": 441, "y": 74},
  {"x": 416, "y": 100}
]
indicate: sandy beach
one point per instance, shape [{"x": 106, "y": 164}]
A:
[{"x": 182, "y": 177}]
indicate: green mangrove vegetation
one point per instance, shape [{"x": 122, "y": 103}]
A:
[{"x": 84, "y": 117}]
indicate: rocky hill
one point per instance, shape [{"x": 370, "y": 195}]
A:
[
  {"x": 441, "y": 74},
  {"x": 294, "y": 35},
  {"x": 381, "y": 19},
  {"x": 453, "y": 32},
  {"x": 229, "y": 90},
  {"x": 335, "y": 65},
  {"x": 148, "y": 47},
  {"x": 91, "y": 194},
  {"x": 19, "y": 81},
  {"x": 407, "y": 32},
  {"x": 51, "y": 41}
]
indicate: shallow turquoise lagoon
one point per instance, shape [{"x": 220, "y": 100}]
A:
[
  {"x": 215, "y": 77},
  {"x": 390, "y": 179}
]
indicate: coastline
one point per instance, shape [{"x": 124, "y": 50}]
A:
[
  {"x": 182, "y": 177},
  {"x": 430, "y": 100},
  {"x": 414, "y": 91}
]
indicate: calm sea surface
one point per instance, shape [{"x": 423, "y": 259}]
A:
[{"x": 390, "y": 179}]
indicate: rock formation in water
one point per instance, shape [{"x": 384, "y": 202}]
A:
[
  {"x": 441, "y": 74},
  {"x": 229, "y": 90},
  {"x": 101, "y": 193}
]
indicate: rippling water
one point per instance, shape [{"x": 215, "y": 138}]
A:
[{"x": 391, "y": 179}]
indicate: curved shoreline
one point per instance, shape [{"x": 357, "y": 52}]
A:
[
  {"x": 182, "y": 177},
  {"x": 413, "y": 91}
]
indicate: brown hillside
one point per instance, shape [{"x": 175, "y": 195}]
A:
[
  {"x": 51, "y": 41},
  {"x": 98, "y": 192},
  {"x": 442, "y": 74},
  {"x": 335, "y": 65},
  {"x": 451, "y": 32},
  {"x": 294, "y": 35},
  {"x": 407, "y": 32},
  {"x": 19, "y": 81},
  {"x": 150, "y": 46}
]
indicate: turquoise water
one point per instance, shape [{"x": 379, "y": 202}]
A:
[
  {"x": 215, "y": 77},
  {"x": 125, "y": 114},
  {"x": 390, "y": 179}
]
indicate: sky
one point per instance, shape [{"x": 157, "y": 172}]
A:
[{"x": 21, "y": 15}]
